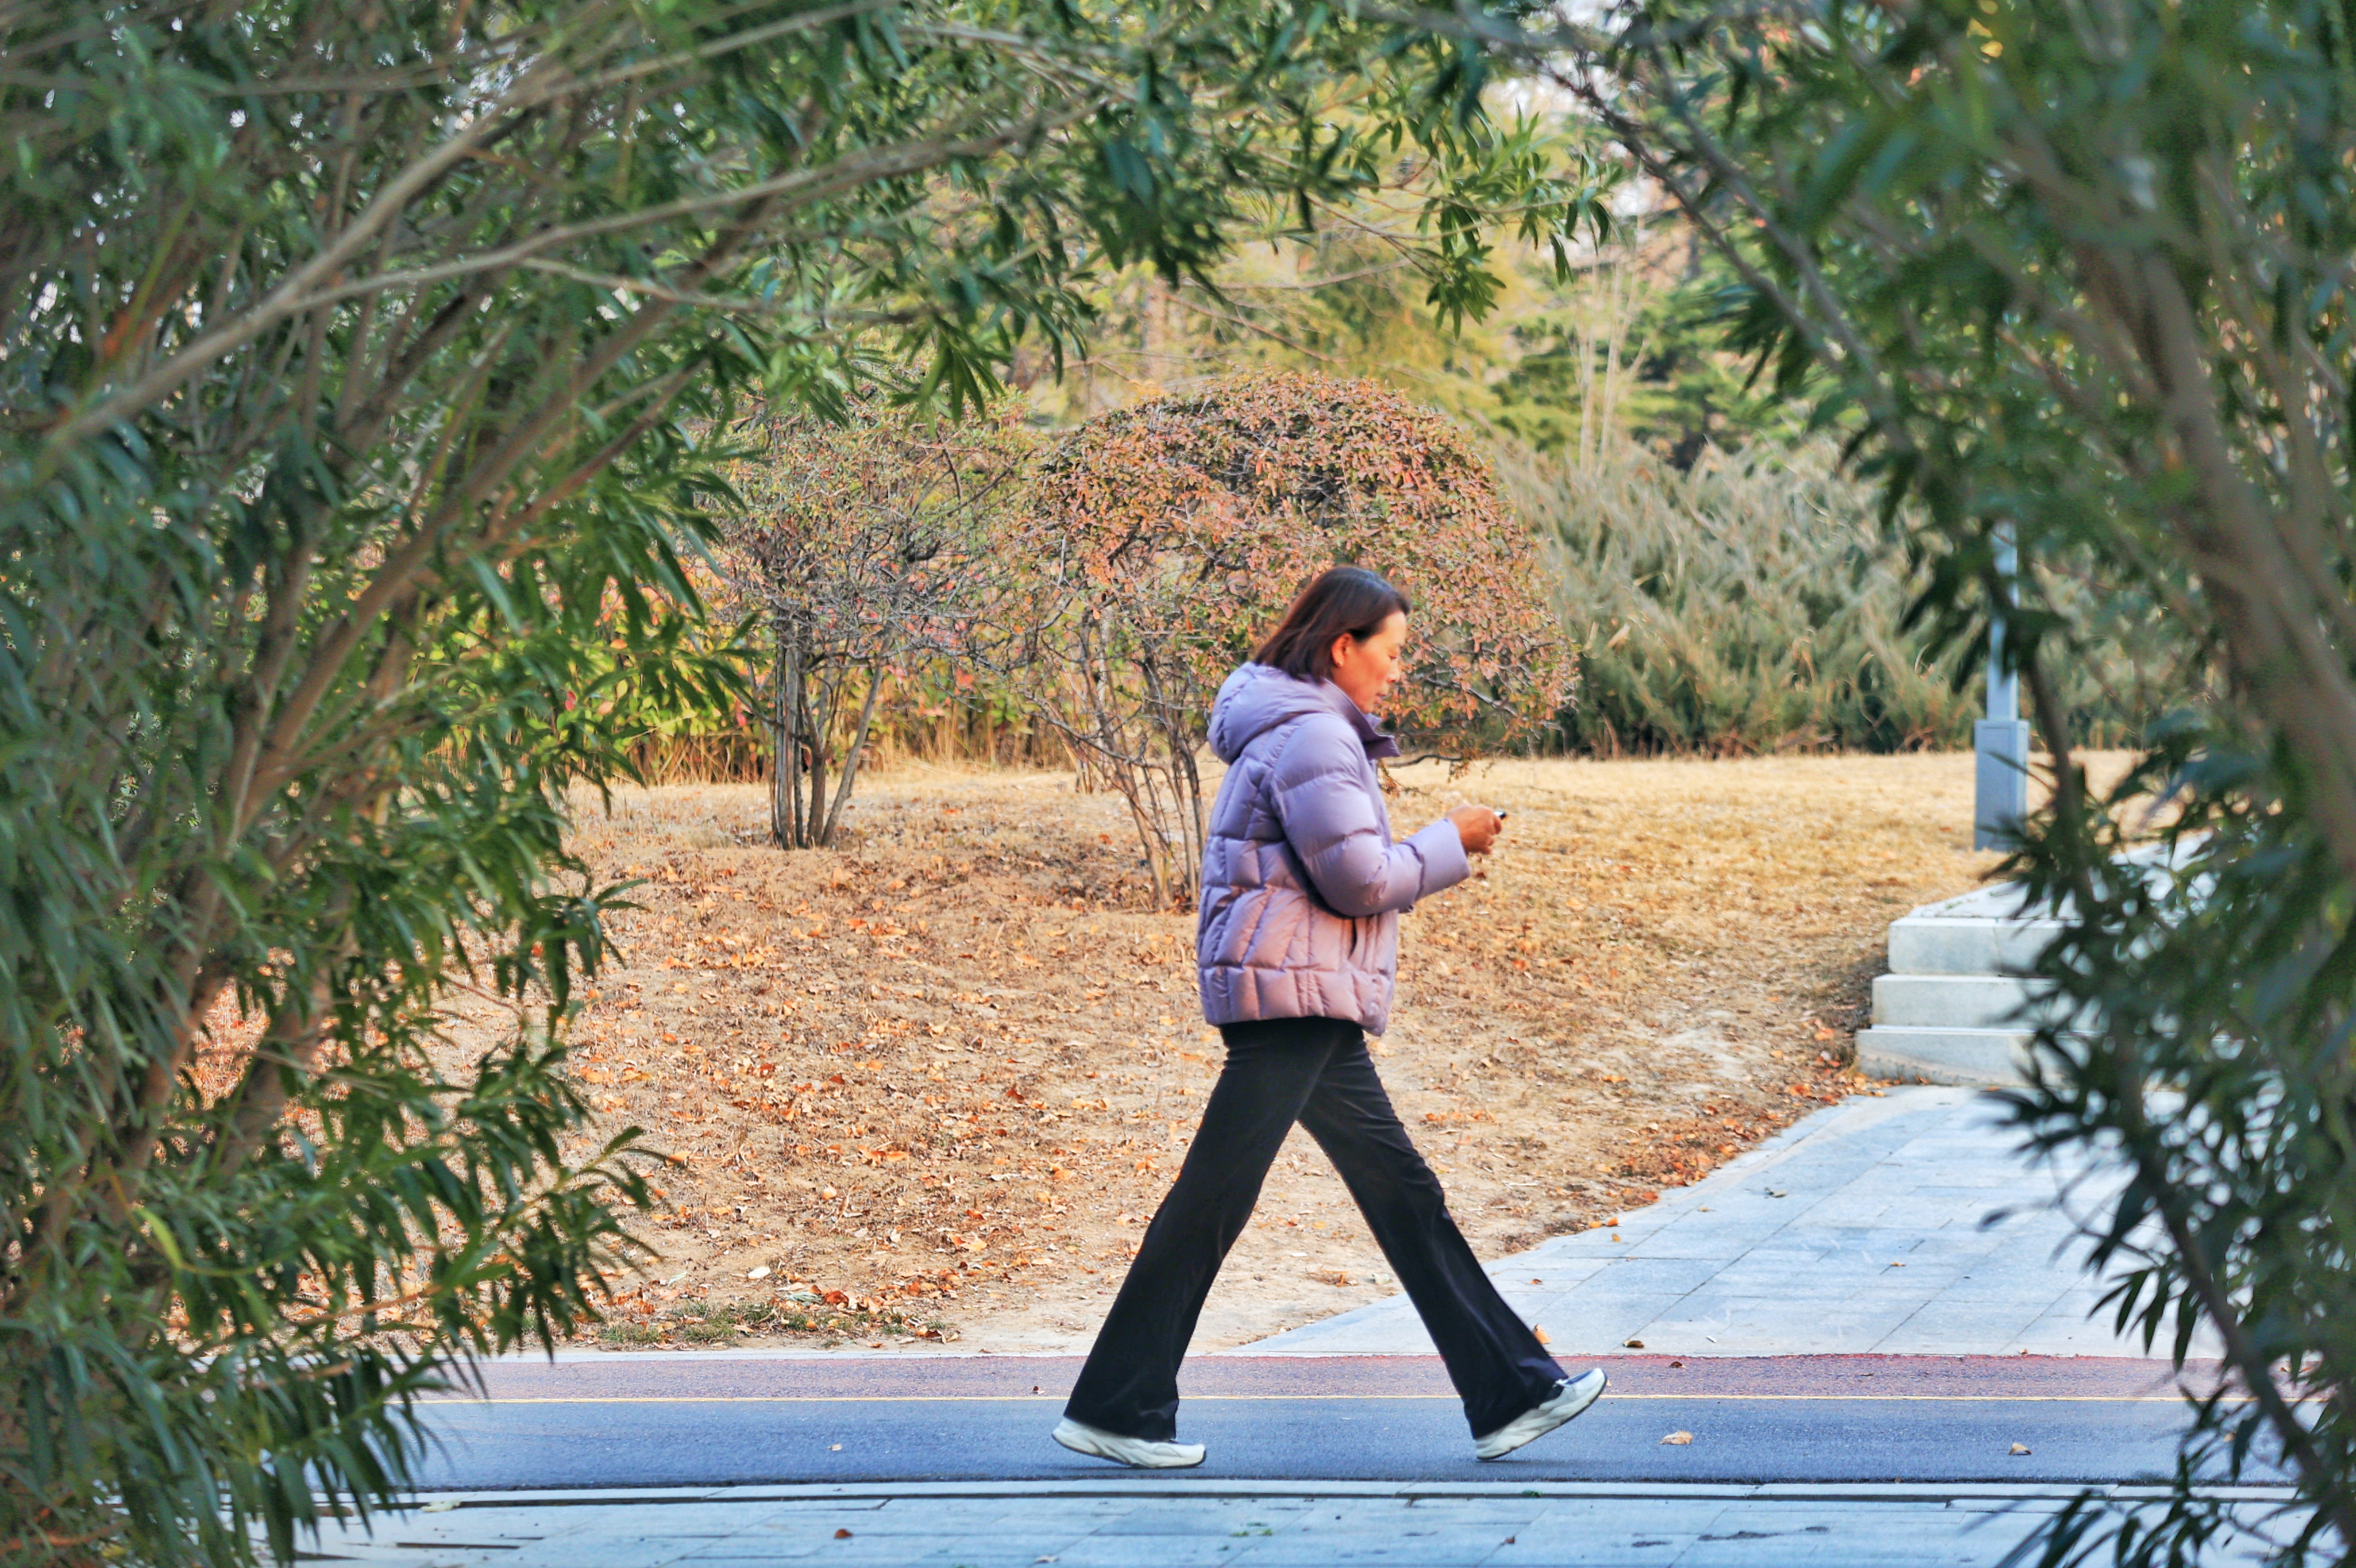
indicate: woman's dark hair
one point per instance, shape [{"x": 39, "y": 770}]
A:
[{"x": 1343, "y": 599}]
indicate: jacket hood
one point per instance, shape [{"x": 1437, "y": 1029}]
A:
[{"x": 1258, "y": 697}]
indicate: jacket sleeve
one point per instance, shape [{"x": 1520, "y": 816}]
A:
[{"x": 1317, "y": 790}]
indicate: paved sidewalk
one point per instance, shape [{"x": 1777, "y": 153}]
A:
[
  {"x": 1180, "y": 1524},
  {"x": 1907, "y": 1224}
]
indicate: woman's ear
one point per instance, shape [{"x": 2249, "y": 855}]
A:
[{"x": 1344, "y": 645}]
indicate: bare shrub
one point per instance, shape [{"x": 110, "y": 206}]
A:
[{"x": 863, "y": 544}]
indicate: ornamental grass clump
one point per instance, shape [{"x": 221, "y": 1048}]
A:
[
  {"x": 1755, "y": 603},
  {"x": 1749, "y": 605}
]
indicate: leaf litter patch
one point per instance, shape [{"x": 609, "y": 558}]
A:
[{"x": 946, "y": 1070}]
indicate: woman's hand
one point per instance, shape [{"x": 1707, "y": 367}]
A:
[{"x": 1478, "y": 827}]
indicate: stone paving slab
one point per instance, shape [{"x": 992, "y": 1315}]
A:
[
  {"x": 1173, "y": 1525},
  {"x": 1907, "y": 1223}
]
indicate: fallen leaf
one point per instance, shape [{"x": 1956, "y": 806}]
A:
[
  {"x": 841, "y": 1534},
  {"x": 1634, "y": 1344},
  {"x": 1540, "y": 1335},
  {"x": 439, "y": 1505},
  {"x": 761, "y": 1272},
  {"x": 1677, "y": 1440},
  {"x": 2020, "y": 1448}
]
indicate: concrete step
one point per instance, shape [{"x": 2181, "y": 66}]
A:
[
  {"x": 1975, "y": 1056},
  {"x": 1950, "y": 1001},
  {"x": 1925, "y": 943}
]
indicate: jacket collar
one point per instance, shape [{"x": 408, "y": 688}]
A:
[{"x": 1371, "y": 735}]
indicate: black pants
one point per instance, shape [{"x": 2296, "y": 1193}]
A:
[{"x": 1316, "y": 1072}]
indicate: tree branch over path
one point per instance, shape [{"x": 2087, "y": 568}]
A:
[{"x": 2110, "y": 322}]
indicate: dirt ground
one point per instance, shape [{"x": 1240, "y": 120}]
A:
[{"x": 933, "y": 1082}]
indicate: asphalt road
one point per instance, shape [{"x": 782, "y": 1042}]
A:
[{"x": 656, "y": 1421}]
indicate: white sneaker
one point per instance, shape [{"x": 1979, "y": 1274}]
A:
[
  {"x": 1140, "y": 1453},
  {"x": 1577, "y": 1393}
]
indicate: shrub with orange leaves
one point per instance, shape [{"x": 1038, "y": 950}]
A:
[{"x": 1172, "y": 535}]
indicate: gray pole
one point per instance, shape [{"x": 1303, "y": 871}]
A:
[{"x": 2001, "y": 740}]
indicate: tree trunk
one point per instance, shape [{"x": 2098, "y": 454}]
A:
[
  {"x": 816, "y": 719},
  {"x": 851, "y": 757},
  {"x": 1181, "y": 817},
  {"x": 781, "y": 733}
]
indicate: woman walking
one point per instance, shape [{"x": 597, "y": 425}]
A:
[{"x": 1297, "y": 948}]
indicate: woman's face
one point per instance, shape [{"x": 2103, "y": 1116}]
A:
[{"x": 1368, "y": 669}]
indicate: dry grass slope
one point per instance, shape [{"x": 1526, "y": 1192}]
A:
[{"x": 934, "y": 1080}]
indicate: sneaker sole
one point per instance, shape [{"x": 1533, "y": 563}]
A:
[
  {"x": 1079, "y": 1443},
  {"x": 1560, "y": 1419}
]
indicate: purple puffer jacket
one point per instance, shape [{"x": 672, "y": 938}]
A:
[{"x": 1301, "y": 885}]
